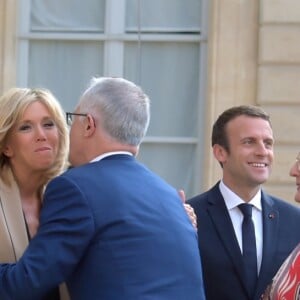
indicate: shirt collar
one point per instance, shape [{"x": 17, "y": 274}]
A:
[
  {"x": 110, "y": 154},
  {"x": 232, "y": 200}
]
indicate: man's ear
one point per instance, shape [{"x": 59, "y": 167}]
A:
[
  {"x": 90, "y": 125},
  {"x": 220, "y": 153}
]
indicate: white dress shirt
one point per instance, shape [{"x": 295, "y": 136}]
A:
[
  {"x": 232, "y": 201},
  {"x": 109, "y": 154}
]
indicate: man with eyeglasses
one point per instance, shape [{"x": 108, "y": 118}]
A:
[
  {"x": 286, "y": 283},
  {"x": 110, "y": 228},
  {"x": 295, "y": 172}
]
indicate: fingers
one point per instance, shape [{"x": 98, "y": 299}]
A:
[
  {"x": 190, "y": 211},
  {"x": 182, "y": 195}
]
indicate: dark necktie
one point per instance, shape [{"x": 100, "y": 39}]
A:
[{"x": 249, "y": 247}]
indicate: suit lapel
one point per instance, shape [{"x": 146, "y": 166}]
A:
[
  {"x": 221, "y": 220},
  {"x": 14, "y": 218},
  {"x": 270, "y": 217}
]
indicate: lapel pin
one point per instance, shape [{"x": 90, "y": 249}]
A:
[{"x": 271, "y": 216}]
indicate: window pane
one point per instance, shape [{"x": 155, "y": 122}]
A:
[
  {"x": 64, "y": 67},
  {"x": 67, "y": 15},
  {"x": 170, "y": 76},
  {"x": 163, "y": 15},
  {"x": 175, "y": 163}
]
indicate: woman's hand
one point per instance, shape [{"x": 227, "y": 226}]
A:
[{"x": 189, "y": 210}]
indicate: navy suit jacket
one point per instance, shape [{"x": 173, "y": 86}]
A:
[
  {"x": 112, "y": 230},
  {"x": 220, "y": 253}
]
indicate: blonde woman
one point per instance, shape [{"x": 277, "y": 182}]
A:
[{"x": 33, "y": 149}]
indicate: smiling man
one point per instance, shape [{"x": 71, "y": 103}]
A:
[{"x": 240, "y": 255}]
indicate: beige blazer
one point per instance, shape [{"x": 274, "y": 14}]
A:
[{"x": 13, "y": 233}]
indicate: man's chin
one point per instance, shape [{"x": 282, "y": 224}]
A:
[{"x": 260, "y": 181}]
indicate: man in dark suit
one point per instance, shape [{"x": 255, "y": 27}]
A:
[
  {"x": 110, "y": 228},
  {"x": 242, "y": 141}
]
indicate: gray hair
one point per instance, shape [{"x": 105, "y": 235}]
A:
[{"x": 120, "y": 106}]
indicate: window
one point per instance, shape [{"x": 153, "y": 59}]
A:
[{"x": 158, "y": 44}]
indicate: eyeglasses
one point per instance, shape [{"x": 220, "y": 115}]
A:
[
  {"x": 298, "y": 162},
  {"x": 69, "y": 117}
]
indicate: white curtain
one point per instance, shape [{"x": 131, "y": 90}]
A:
[
  {"x": 163, "y": 15},
  {"x": 69, "y": 15}
]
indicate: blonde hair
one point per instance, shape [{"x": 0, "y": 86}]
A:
[{"x": 12, "y": 106}]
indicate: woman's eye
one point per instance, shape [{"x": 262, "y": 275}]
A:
[
  {"x": 49, "y": 124},
  {"x": 24, "y": 127}
]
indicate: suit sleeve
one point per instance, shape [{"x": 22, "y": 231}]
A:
[{"x": 66, "y": 229}]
